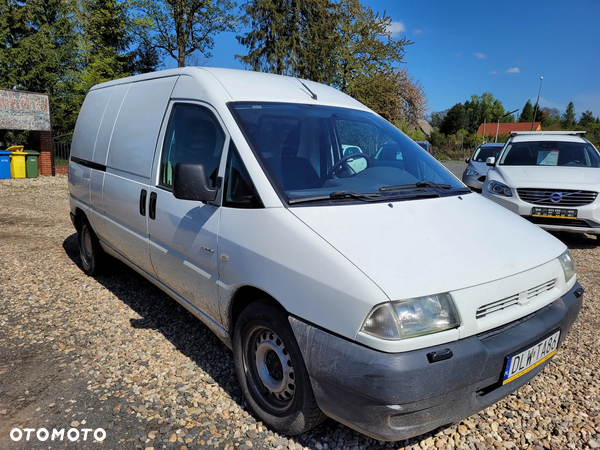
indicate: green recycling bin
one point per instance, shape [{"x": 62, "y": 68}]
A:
[{"x": 31, "y": 163}]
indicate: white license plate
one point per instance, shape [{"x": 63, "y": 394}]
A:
[{"x": 523, "y": 362}]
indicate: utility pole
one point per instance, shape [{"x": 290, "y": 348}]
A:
[{"x": 536, "y": 103}]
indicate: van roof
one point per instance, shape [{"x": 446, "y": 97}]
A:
[{"x": 245, "y": 85}]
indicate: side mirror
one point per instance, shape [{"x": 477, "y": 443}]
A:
[
  {"x": 190, "y": 182},
  {"x": 467, "y": 160},
  {"x": 490, "y": 161}
]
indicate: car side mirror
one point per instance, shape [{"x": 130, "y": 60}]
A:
[
  {"x": 190, "y": 182},
  {"x": 490, "y": 161},
  {"x": 467, "y": 160}
]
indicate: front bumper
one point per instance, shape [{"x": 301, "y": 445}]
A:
[
  {"x": 588, "y": 216},
  {"x": 474, "y": 182},
  {"x": 401, "y": 395}
]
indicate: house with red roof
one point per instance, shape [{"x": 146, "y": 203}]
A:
[{"x": 506, "y": 128}]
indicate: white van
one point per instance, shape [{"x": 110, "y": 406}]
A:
[{"x": 343, "y": 293}]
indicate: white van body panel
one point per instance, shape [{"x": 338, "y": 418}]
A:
[
  {"x": 83, "y": 146},
  {"x": 138, "y": 124},
  {"x": 258, "y": 86},
  {"x": 126, "y": 230},
  {"x": 107, "y": 126},
  {"x": 129, "y": 166},
  {"x": 97, "y": 202},
  {"x": 89, "y": 123},
  {"x": 317, "y": 283},
  {"x": 395, "y": 247},
  {"x": 79, "y": 185},
  {"x": 183, "y": 250}
]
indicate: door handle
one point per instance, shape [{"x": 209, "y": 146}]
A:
[
  {"x": 143, "y": 195},
  {"x": 152, "y": 212}
]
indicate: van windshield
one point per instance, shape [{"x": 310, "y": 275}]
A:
[{"x": 313, "y": 153}]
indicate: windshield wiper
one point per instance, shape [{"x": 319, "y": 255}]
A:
[
  {"x": 365, "y": 197},
  {"x": 418, "y": 184},
  {"x": 421, "y": 185},
  {"x": 338, "y": 195}
]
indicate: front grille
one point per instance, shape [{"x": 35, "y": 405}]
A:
[
  {"x": 558, "y": 222},
  {"x": 569, "y": 198},
  {"x": 507, "y": 302}
]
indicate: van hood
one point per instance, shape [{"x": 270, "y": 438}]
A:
[
  {"x": 428, "y": 246},
  {"x": 551, "y": 177}
]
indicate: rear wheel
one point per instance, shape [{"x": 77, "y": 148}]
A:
[
  {"x": 271, "y": 370},
  {"x": 90, "y": 251}
]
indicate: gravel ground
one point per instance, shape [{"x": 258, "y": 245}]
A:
[{"x": 116, "y": 353}]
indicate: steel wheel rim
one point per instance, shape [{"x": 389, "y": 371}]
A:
[
  {"x": 86, "y": 247},
  {"x": 271, "y": 367}
]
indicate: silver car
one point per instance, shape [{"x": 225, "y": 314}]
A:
[{"x": 475, "y": 173}]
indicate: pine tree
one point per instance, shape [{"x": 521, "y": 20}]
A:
[
  {"x": 568, "y": 118},
  {"x": 296, "y": 38},
  {"x": 36, "y": 44},
  {"x": 340, "y": 43},
  {"x": 586, "y": 118},
  {"x": 527, "y": 112},
  {"x": 38, "y": 52},
  {"x": 456, "y": 119},
  {"x": 104, "y": 41}
]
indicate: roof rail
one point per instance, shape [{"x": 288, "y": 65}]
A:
[{"x": 538, "y": 133}]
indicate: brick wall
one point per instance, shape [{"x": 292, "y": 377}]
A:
[{"x": 45, "y": 161}]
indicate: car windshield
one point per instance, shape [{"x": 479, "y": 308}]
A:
[
  {"x": 313, "y": 153},
  {"x": 483, "y": 152},
  {"x": 550, "y": 153}
]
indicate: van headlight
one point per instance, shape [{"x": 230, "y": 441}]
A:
[
  {"x": 471, "y": 172},
  {"x": 568, "y": 266},
  {"x": 406, "y": 319},
  {"x": 495, "y": 187}
]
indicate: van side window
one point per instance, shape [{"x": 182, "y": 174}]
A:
[
  {"x": 239, "y": 189},
  {"x": 194, "y": 135}
]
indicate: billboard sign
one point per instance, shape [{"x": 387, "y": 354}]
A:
[{"x": 20, "y": 110}]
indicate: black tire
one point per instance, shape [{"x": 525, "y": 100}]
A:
[
  {"x": 90, "y": 251},
  {"x": 271, "y": 370},
  {"x": 598, "y": 239}
]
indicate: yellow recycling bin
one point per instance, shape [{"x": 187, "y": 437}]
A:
[{"x": 17, "y": 161}]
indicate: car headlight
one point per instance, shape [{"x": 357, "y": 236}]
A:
[
  {"x": 471, "y": 172},
  {"x": 406, "y": 319},
  {"x": 568, "y": 265},
  {"x": 495, "y": 187}
]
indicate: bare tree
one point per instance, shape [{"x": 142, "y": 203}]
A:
[{"x": 413, "y": 101}]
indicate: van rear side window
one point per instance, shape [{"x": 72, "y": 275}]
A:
[{"x": 194, "y": 136}]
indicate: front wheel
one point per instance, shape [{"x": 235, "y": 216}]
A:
[{"x": 271, "y": 370}]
